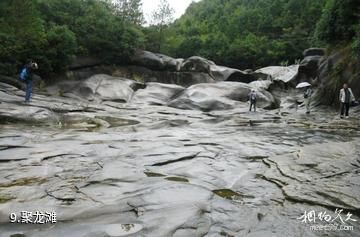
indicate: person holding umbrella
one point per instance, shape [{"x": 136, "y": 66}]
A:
[{"x": 307, "y": 95}]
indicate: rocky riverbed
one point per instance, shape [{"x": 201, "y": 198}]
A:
[{"x": 173, "y": 164}]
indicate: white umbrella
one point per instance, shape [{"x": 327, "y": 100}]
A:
[{"x": 303, "y": 84}]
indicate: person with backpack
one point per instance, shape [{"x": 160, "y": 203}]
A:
[
  {"x": 307, "y": 99},
  {"x": 26, "y": 75},
  {"x": 346, "y": 97},
  {"x": 252, "y": 98}
]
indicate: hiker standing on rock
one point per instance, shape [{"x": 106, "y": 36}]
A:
[
  {"x": 252, "y": 98},
  {"x": 26, "y": 75},
  {"x": 307, "y": 99},
  {"x": 346, "y": 97}
]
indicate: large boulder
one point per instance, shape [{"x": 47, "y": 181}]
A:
[
  {"x": 279, "y": 73},
  {"x": 13, "y": 108},
  {"x": 155, "y": 61},
  {"x": 146, "y": 75},
  {"x": 309, "y": 66},
  {"x": 220, "y": 96},
  {"x": 148, "y": 60},
  {"x": 221, "y": 73},
  {"x": 196, "y": 64},
  {"x": 185, "y": 79},
  {"x": 170, "y": 64},
  {"x": 218, "y": 73},
  {"x": 156, "y": 93},
  {"x": 314, "y": 52},
  {"x": 146, "y": 66},
  {"x": 261, "y": 84},
  {"x": 99, "y": 88},
  {"x": 335, "y": 70}
]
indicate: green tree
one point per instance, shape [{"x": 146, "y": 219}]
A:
[
  {"x": 98, "y": 26},
  {"x": 338, "y": 21},
  {"x": 161, "y": 18},
  {"x": 232, "y": 32},
  {"x": 129, "y": 11},
  {"x": 21, "y": 32},
  {"x": 61, "y": 47},
  {"x": 356, "y": 41},
  {"x": 53, "y": 32}
]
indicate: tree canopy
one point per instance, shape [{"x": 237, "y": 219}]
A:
[
  {"x": 340, "y": 24},
  {"x": 245, "y": 33},
  {"x": 236, "y": 33},
  {"x": 52, "y": 32}
]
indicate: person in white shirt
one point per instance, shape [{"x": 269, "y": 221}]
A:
[{"x": 346, "y": 97}]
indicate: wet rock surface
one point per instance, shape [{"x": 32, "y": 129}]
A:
[{"x": 133, "y": 169}]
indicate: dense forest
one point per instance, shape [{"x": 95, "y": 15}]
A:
[
  {"x": 253, "y": 33},
  {"x": 53, "y": 32},
  {"x": 236, "y": 33}
]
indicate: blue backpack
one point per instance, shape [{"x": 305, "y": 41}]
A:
[{"x": 24, "y": 74}]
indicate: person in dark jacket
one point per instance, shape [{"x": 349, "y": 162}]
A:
[
  {"x": 30, "y": 67},
  {"x": 307, "y": 99},
  {"x": 252, "y": 98}
]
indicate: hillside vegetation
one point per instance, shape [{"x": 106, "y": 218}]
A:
[
  {"x": 236, "y": 33},
  {"x": 52, "y": 32},
  {"x": 254, "y": 33}
]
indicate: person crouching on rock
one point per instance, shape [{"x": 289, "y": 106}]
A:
[
  {"x": 346, "y": 97},
  {"x": 26, "y": 75},
  {"x": 252, "y": 98},
  {"x": 307, "y": 99}
]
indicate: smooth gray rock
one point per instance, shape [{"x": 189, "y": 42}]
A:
[
  {"x": 184, "y": 79},
  {"x": 279, "y": 73},
  {"x": 99, "y": 87},
  {"x": 220, "y": 96},
  {"x": 261, "y": 85},
  {"x": 145, "y": 75},
  {"x": 148, "y": 59},
  {"x": 196, "y": 64},
  {"x": 333, "y": 73},
  {"x": 320, "y": 180},
  {"x": 310, "y": 65},
  {"x": 231, "y": 74},
  {"x": 162, "y": 171},
  {"x": 24, "y": 113},
  {"x": 156, "y": 93},
  {"x": 155, "y": 61},
  {"x": 193, "y": 65}
]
